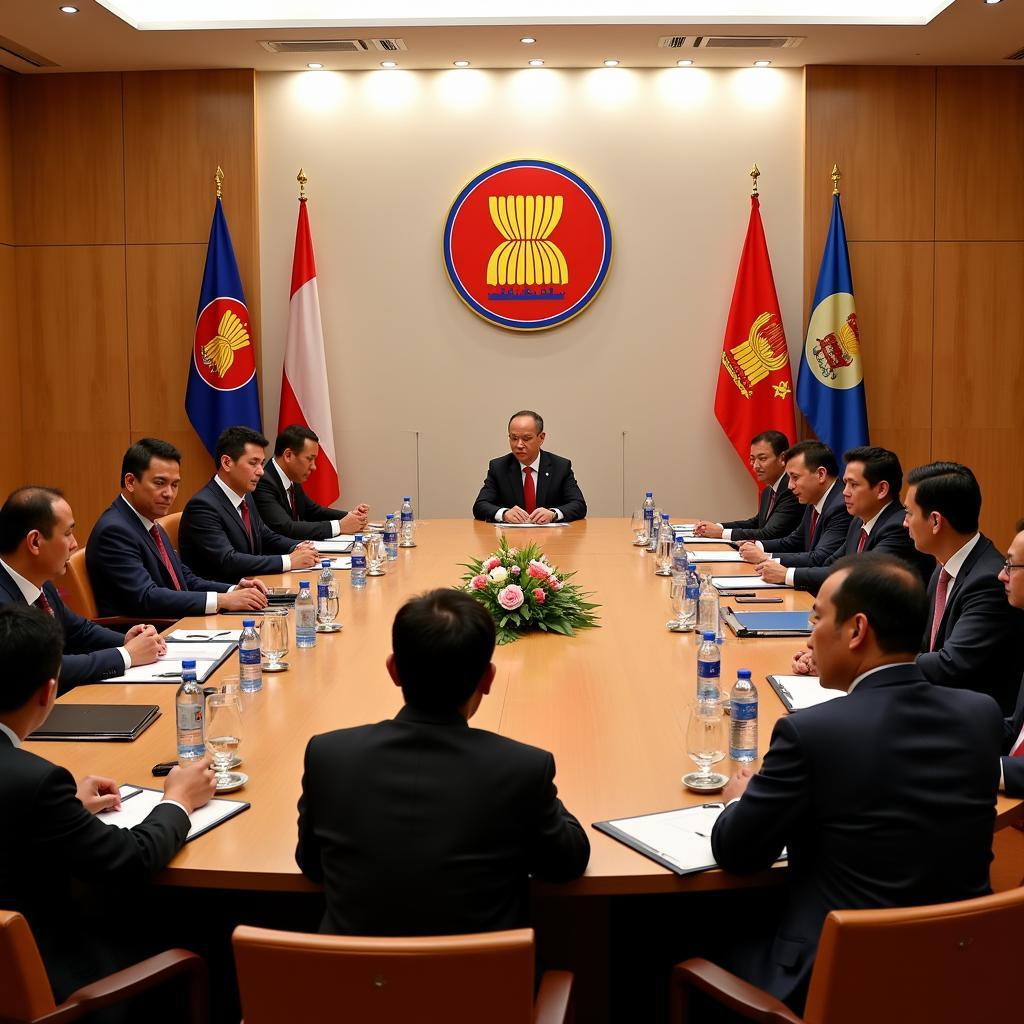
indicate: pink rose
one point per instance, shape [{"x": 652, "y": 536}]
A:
[
  {"x": 555, "y": 583},
  {"x": 538, "y": 570},
  {"x": 510, "y": 598},
  {"x": 539, "y": 596},
  {"x": 479, "y": 582},
  {"x": 515, "y": 570},
  {"x": 491, "y": 563}
]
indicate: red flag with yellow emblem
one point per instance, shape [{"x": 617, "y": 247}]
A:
[{"x": 755, "y": 387}]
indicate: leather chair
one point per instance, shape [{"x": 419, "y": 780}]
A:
[
  {"x": 77, "y": 593},
  {"x": 26, "y": 995},
  {"x": 170, "y": 524},
  {"x": 949, "y": 962},
  {"x": 449, "y": 979}
]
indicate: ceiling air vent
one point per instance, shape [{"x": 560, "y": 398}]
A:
[
  {"x": 747, "y": 42},
  {"x": 21, "y": 55},
  {"x": 314, "y": 45},
  {"x": 389, "y": 45},
  {"x": 672, "y": 42},
  {"x": 1019, "y": 55}
]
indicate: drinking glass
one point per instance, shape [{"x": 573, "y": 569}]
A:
[
  {"x": 705, "y": 743},
  {"x": 274, "y": 639},
  {"x": 375, "y": 554},
  {"x": 223, "y": 735},
  {"x": 639, "y": 525},
  {"x": 327, "y": 607},
  {"x": 676, "y": 594}
]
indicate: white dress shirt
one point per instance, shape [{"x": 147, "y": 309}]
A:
[
  {"x": 955, "y": 562},
  {"x": 286, "y": 562},
  {"x": 727, "y": 534},
  {"x": 288, "y": 485},
  {"x": 535, "y": 466},
  {"x": 12, "y": 735}
]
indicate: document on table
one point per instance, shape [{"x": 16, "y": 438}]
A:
[
  {"x": 138, "y": 801},
  {"x": 529, "y": 526},
  {"x": 336, "y": 563},
  {"x": 205, "y": 635},
  {"x": 208, "y": 655},
  {"x": 799, "y": 692},
  {"x": 751, "y": 582},
  {"x": 690, "y": 539},
  {"x": 340, "y": 545},
  {"x": 714, "y": 556}
]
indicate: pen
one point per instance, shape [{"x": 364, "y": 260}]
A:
[
  {"x": 168, "y": 675},
  {"x": 758, "y": 600},
  {"x": 737, "y": 593},
  {"x": 203, "y": 636},
  {"x": 128, "y": 796}
]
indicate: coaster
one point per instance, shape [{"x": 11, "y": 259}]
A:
[
  {"x": 697, "y": 782},
  {"x": 237, "y": 781},
  {"x": 334, "y": 627},
  {"x": 281, "y": 666}
]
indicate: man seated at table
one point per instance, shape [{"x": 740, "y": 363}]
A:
[
  {"x": 812, "y": 473},
  {"x": 421, "y": 825},
  {"x": 884, "y": 799},
  {"x": 529, "y": 485},
  {"x": 871, "y": 492},
  {"x": 778, "y": 511},
  {"x": 37, "y": 537},
  {"x": 222, "y": 535},
  {"x": 133, "y": 567},
  {"x": 51, "y": 835},
  {"x": 285, "y": 506},
  {"x": 1012, "y": 766}
]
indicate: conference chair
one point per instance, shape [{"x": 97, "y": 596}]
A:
[
  {"x": 77, "y": 593},
  {"x": 26, "y": 995},
  {"x": 951, "y": 962},
  {"x": 170, "y": 524},
  {"x": 448, "y": 979}
]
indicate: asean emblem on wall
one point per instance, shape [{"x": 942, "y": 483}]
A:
[{"x": 527, "y": 245}]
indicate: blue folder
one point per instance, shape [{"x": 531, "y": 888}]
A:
[{"x": 747, "y": 624}]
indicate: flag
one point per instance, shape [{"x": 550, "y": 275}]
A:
[
  {"x": 222, "y": 390},
  {"x": 830, "y": 386},
  {"x": 305, "y": 398},
  {"x": 755, "y": 389}
]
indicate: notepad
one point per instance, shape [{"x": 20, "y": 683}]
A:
[
  {"x": 713, "y": 556},
  {"x": 748, "y": 624},
  {"x": 138, "y": 801},
  {"x": 336, "y": 563},
  {"x": 799, "y": 692},
  {"x": 104, "y": 722},
  {"x": 204, "y": 635},
  {"x": 335, "y": 546},
  {"x": 690, "y": 539},
  {"x": 741, "y": 583}
]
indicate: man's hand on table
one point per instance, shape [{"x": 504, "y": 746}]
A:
[
  {"x": 737, "y": 785},
  {"x": 515, "y": 514},
  {"x": 804, "y": 664},
  {"x": 771, "y": 572},
  {"x": 750, "y": 552},
  {"x": 99, "y": 793},
  {"x": 705, "y": 529},
  {"x": 144, "y": 644},
  {"x": 192, "y": 784},
  {"x": 244, "y": 599},
  {"x": 304, "y": 555}
]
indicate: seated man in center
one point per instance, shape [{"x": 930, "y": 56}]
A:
[
  {"x": 421, "y": 825},
  {"x": 529, "y": 485}
]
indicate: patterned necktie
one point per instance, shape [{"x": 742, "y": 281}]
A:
[
  {"x": 291, "y": 501},
  {"x": 1017, "y": 750},
  {"x": 529, "y": 492},
  {"x": 44, "y": 605},
  {"x": 863, "y": 540},
  {"x": 814, "y": 522},
  {"x": 940, "y": 604},
  {"x": 246, "y": 521},
  {"x": 164, "y": 557},
  {"x": 771, "y": 501}
]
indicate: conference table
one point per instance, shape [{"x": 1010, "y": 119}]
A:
[{"x": 611, "y": 704}]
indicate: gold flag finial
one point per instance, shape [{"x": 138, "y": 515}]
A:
[
  {"x": 835, "y": 179},
  {"x": 218, "y": 177},
  {"x": 755, "y": 174},
  {"x": 301, "y": 179}
]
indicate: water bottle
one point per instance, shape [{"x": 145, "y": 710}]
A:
[
  {"x": 652, "y": 539},
  {"x": 250, "y": 669},
  {"x": 663, "y": 555},
  {"x": 709, "y": 611},
  {"x": 743, "y": 718},
  {"x": 691, "y": 598},
  {"x": 305, "y": 613},
  {"x": 408, "y": 524},
  {"x": 709, "y": 668},
  {"x": 648, "y": 507},
  {"x": 190, "y": 715},
  {"x": 391, "y": 538},
  {"x": 680, "y": 562},
  {"x": 359, "y": 561}
]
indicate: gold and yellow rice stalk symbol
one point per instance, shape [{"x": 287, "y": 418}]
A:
[
  {"x": 526, "y": 256},
  {"x": 219, "y": 351},
  {"x": 762, "y": 353}
]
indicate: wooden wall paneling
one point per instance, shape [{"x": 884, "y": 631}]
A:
[
  {"x": 979, "y": 153},
  {"x": 978, "y": 376},
  {"x": 74, "y": 382},
  {"x": 70, "y": 172},
  {"x": 6, "y": 160},
  {"x": 878, "y": 124},
  {"x": 163, "y": 287},
  {"x": 892, "y": 282},
  {"x": 12, "y": 463}
]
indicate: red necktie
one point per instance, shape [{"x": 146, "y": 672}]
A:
[
  {"x": 164, "y": 557},
  {"x": 863, "y": 540},
  {"x": 291, "y": 501},
  {"x": 771, "y": 501},
  {"x": 1017, "y": 750},
  {"x": 814, "y": 521},
  {"x": 529, "y": 492},
  {"x": 44, "y": 605},
  {"x": 940, "y": 604},
  {"x": 246, "y": 521}
]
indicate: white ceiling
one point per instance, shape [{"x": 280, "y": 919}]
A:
[{"x": 967, "y": 32}]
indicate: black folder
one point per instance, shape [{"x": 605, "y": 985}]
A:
[{"x": 110, "y": 722}]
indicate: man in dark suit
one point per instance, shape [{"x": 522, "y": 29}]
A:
[
  {"x": 778, "y": 511},
  {"x": 37, "y": 537},
  {"x": 52, "y": 836},
  {"x": 132, "y": 563},
  {"x": 871, "y": 492},
  {"x": 884, "y": 799},
  {"x": 529, "y": 485},
  {"x": 222, "y": 535},
  {"x": 478, "y": 811},
  {"x": 812, "y": 471},
  {"x": 285, "y": 506},
  {"x": 1012, "y": 578}
]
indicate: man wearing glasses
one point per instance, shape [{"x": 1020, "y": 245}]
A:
[{"x": 1012, "y": 578}]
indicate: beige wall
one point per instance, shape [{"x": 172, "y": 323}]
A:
[{"x": 667, "y": 151}]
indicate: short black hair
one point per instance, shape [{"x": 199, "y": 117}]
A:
[
  {"x": 442, "y": 642},
  {"x": 1020, "y": 525},
  {"x": 950, "y": 489},
  {"x": 538, "y": 420},
  {"x": 294, "y": 437},
  {"x": 879, "y": 464},
  {"x": 26, "y": 509},
  {"x": 776, "y": 438},
  {"x": 890, "y": 593},
  {"x": 815, "y": 456},
  {"x": 137, "y": 459},
  {"x": 232, "y": 442},
  {"x": 31, "y": 646}
]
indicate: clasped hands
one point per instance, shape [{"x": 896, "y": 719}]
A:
[
  {"x": 520, "y": 515},
  {"x": 770, "y": 571}
]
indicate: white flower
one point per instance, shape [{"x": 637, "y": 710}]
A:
[{"x": 498, "y": 575}]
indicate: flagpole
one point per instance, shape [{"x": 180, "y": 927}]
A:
[
  {"x": 302, "y": 179},
  {"x": 755, "y": 174},
  {"x": 835, "y": 179},
  {"x": 218, "y": 178}
]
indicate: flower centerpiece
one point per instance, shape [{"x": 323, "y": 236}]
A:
[{"x": 523, "y": 591}]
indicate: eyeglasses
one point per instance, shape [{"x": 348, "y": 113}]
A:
[{"x": 1009, "y": 566}]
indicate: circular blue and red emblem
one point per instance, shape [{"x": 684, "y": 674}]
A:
[
  {"x": 222, "y": 349},
  {"x": 527, "y": 245}
]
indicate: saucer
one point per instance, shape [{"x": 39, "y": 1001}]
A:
[
  {"x": 281, "y": 666},
  {"x": 238, "y": 780},
  {"x": 716, "y": 782},
  {"x": 335, "y": 627}
]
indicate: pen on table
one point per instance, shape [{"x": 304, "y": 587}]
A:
[
  {"x": 744, "y": 599},
  {"x": 737, "y": 593},
  {"x": 167, "y": 675},
  {"x": 128, "y": 796},
  {"x": 203, "y": 636}
]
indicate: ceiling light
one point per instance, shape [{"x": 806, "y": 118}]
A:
[
  {"x": 527, "y": 40},
  {"x": 684, "y": 63},
  {"x": 68, "y": 9},
  {"x": 461, "y": 63},
  {"x": 536, "y": 63},
  {"x": 611, "y": 63},
  {"x": 762, "y": 63},
  {"x": 314, "y": 66},
  {"x": 388, "y": 64}
]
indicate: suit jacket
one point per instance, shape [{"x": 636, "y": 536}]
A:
[
  {"x": 314, "y": 522},
  {"x": 556, "y": 487},
  {"x": 888, "y": 536},
  {"x": 90, "y": 651},
  {"x": 421, "y": 825},
  {"x": 784, "y": 517},
  {"x": 980, "y": 641},
  {"x": 800, "y": 548},
  {"x": 883, "y": 798},
  {"x": 128, "y": 575},
  {"x": 1013, "y": 767},
  {"x": 51, "y": 839},
  {"x": 214, "y": 542}
]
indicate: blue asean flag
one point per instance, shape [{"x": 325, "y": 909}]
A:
[
  {"x": 830, "y": 387},
  {"x": 222, "y": 390}
]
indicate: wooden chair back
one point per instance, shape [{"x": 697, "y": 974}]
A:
[
  {"x": 76, "y": 587},
  {"x": 25, "y": 991},
  {"x": 170, "y": 524}
]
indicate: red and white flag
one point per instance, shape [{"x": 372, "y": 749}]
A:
[{"x": 305, "y": 398}]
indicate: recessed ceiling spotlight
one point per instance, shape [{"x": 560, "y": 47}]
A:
[
  {"x": 68, "y": 9},
  {"x": 388, "y": 64},
  {"x": 536, "y": 63},
  {"x": 527, "y": 40},
  {"x": 314, "y": 66},
  {"x": 762, "y": 63},
  {"x": 684, "y": 63},
  {"x": 611, "y": 63},
  {"x": 461, "y": 63}
]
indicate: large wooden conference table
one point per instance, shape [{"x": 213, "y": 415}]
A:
[{"x": 610, "y": 703}]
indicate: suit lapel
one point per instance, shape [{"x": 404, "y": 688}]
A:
[
  {"x": 233, "y": 519},
  {"x": 543, "y": 479},
  {"x": 10, "y": 587},
  {"x": 515, "y": 481},
  {"x": 135, "y": 524},
  {"x": 762, "y": 506}
]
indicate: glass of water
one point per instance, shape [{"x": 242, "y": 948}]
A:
[
  {"x": 327, "y": 607},
  {"x": 705, "y": 743},
  {"x": 274, "y": 639},
  {"x": 375, "y": 554},
  {"x": 223, "y": 734},
  {"x": 639, "y": 525}
]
